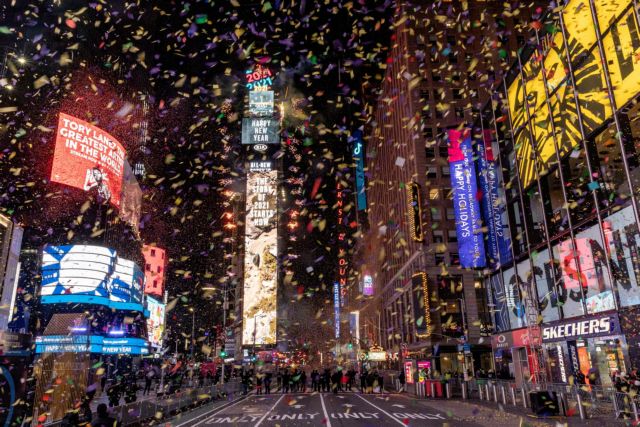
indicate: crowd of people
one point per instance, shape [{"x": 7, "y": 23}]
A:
[{"x": 296, "y": 380}]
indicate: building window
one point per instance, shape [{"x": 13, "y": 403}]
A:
[
  {"x": 434, "y": 194},
  {"x": 460, "y": 112},
  {"x": 425, "y": 94},
  {"x": 159, "y": 269},
  {"x": 451, "y": 214},
  {"x": 436, "y": 215},
  {"x": 438, "y": 236},
  {"x": 443, "y": 151},
  {"x": 455, "y": 258},
  {"x": 445, "y": 171},
  {"x": 439, "y": 259},
  {"x": 457, "y": 93},
  {"x": 147, "y": 267},
  {"x": 155, "y": 284},
  {"x": 153, "y": 252},
  {"x": 429, "y": 152},
  {"x": 448, "y": 194},
  {"x": 428, "y": 133},
  {"x": 432, "y": 172},
  {"x": 452, "y": 236}
]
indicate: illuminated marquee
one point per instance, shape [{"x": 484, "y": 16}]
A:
[
  {"x": 260, "y": 131},
  {"x": 261, "y": 103},
  {"x": 421, "y": 307},
  {"x": 415, "y": 211}
]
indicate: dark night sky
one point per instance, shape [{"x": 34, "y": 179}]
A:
[{"x": 190, "y": 58}]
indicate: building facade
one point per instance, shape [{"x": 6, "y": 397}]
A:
[
  {"x": 443, "y": 61},
  {"x": 565, "y": 124}
]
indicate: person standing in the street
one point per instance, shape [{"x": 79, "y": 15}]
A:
[
  {"x": 363, "y": 380},
  {"x": 335, "y": 379},
  {"x": 401, "y": 380},
  {"x": 314, "y": 380},
  {"x": 285, "y": 381},
  {"x": 103, "y": 419},
  {"x": 267, "y": 383},
  {"x": 148, "y": 380},
  {"x": 303, "y": 381}
]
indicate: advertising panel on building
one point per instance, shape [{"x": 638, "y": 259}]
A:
[
  {"x": 358, "y": 154},
  {"x": 465, "y": 202},
  {"x": 131, "y": 203},
  {"x": 421, "y": 306},
  {"x": 493, "y": 206},
  {"x": 10, "y": 244},
  {"x": 261, "y": 254},
  {"x": 84, "y": 274},
  {"x": 88, "y": 158},
  {"x": 155, "y": 263},
  {"x": 155, "y": 322},
  {"x": 367, "y": 286},
  {"x": 260, "y": 130},
  {"x": 261, "y": 103},
  {"x": 414, "y": 210},
  {"x": 336, "y": 310},
  {"x": 90, "y": 343}
]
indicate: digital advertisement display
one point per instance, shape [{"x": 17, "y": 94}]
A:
[
  {"x": 358, "y": 158},
  {"x": 155, "y": 322},
  {"x": 261, "y": 103},
  {"x": 621, "y": 45},
  {"x": 367, "y": 287},
  {"x": 88, "y": 158},
  {"x": 259, "y": 78},
  {"x": 90, "y": 343},
  {"x": 261, "y": 255},
  {"x": 155, "y": 263},
  {"x": 336, "y": 310},
  {"x": 90, "y": 275},
  {"x": 421, "y": 307},
  {"x": 493, "y": 206},
  {"x": 465, "y": 202},
  {"x": 260, "y": 130}
]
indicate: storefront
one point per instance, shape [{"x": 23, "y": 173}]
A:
[
  {"x": 593, "y": 346},
  {"x": 511, "y": 355}
]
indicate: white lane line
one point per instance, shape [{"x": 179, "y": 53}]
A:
[
  {"x": 324, "y": 409},
  {"x": 269, "y": 411},
  {"x": 210, "y": 414},
  {"x": 383, "y": 411}
]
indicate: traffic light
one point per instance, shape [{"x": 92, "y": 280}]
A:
[
  {"x": 223, "y": 353},
  {"x": 350, "y": 346}
]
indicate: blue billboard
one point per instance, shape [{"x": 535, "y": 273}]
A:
[
  {"x": 465, "y": 201},
  {"x": 493, "y": 207},
  {"x": 82, "y": 274},
  {"x": 90, "y": 343},
  {"x": 358, "y": 159}
]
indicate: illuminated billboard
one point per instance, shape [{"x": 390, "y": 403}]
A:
[
  {"x": 88, "y": 158},
  {"x": 261, "y": 103},
  {"x": 154, "y": 264},
  {"x": 261, "y": 254},
  {"x": 532, "y": 120},
  {"x": 415, "y": 211},
  {"x": 92, "y": 344},
  {"x": 358, "y": 158},
  {"x": 260, "y": 130},
  {"x": 155, "y": 322},
  {"x": 84, "y": 274},
  {"x": 259, "y": 79},
  {"x": 367, "y": 288}
]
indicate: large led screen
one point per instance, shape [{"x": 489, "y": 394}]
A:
[
  {"x": 91, "y": 343},
  {"x": 260, "y": 263},
  {"x": 90, "y": 275},
  {"x": 155, "y": 322},
  {"x": 88, "y": 158},
  {"x": 260, "y": 130}
]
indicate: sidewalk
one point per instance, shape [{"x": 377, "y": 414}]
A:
[{"x": 483, "y": 411}]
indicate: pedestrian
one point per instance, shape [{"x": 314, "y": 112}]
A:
[
  {"x": 401, "y": 380},
  {"x": 259, "y": 383},
  {"x": 327, "y": 380},
  {"x": 245, "y": 383},
  {"x": 285, "y": 381},
  {"x": 363, "y": 380},
  {"x": 336, "y": 378},
  {"x": 148, "y": 379},
  {"x": 315, "y": 380},
  {"x": 113, "y": 394},
  {"x": 267, "y": 383},
  {"x": 103, "y": 419},
  {"x": 303, "y": 381},
  {"x": 103, "y": 383},
  {"x": 85, "y": 414},
  {"x": 279, "y": 380},
  {"x": 381, "y": 382}
]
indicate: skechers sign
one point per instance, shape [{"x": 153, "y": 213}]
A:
[
  {"x": 259, "y": 131},
  {"x": 465, "y": 202},
  {"x": 598, "y": 326}
]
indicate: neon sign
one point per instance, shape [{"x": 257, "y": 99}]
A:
[{"x": 259, "y": 78}]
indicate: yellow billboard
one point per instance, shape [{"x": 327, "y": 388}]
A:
[{"x": 621, "y": 46}]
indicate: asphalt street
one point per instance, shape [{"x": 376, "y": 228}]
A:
[{"x": 345, "y": 409}]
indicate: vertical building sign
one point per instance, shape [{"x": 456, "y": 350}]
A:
[
  {"x": 465, "y": 202},
  {"x": 261, "y": 252},
  {"x": 421, "y": 309},
  {"x": 493, "y": 207},
  {"x": 358, "y": 159},
  {"x": 336, "y": 308},
  {"x": 259, "y": 311},
  {"x": 414, "y": 210},
  {"x": 367, "y": 288}
]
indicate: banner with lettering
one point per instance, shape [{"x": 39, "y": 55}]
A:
[
  {"x": 465, "y": 202},
  {"x": 493, "y": 207}
]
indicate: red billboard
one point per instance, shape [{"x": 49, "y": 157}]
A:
[
  {"x": 155, "y": 263},
  {"x": 88, "y": 158}
]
